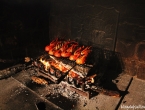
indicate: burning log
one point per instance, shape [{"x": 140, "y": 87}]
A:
[
  {"x": 52, "y": 67},
  {"x": 59, "y": 67}
]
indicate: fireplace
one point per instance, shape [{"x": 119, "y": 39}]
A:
[{"x": 113, "y": 31}]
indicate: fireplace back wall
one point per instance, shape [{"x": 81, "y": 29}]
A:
[{"x": 96, "y": 22}]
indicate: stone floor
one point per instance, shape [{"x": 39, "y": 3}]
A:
[{"x": 19, "y": 92}]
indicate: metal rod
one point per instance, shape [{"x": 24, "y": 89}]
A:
[{"x": 116, "y": 32}]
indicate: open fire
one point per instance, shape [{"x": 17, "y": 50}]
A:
[{"x": 78, "y": 65}]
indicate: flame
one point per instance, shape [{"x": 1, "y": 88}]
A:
[
  {"x": 45, "y": 63},
  {"x": 92, "y": 80}
]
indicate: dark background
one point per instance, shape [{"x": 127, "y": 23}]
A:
[
  {"x": 27, "y": 26},
  {"x": 23, "y": 25}
]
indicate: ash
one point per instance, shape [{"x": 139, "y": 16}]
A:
[{"x": 59, "y": 94}]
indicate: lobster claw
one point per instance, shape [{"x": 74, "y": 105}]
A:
[
  {"x": 81, "y": 59},
  {"x": 57, "y": 53},
  {"x": 65, "y": 46},
  {"x": 72, "y": 48},
  {"x": 54, "y": 50},
  {"x": 65, "y": 54},
  {"x": 68, "y": 48},
  {"x": 47, "y": 48},
  {"x": 76, "y": 54},
  {"x": 51, "y": 45},
  {"x": 51, "y": 52},
  {"x": 74, "y": 57}
]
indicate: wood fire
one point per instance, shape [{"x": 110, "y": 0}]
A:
[{"x": 66, "y": 60}]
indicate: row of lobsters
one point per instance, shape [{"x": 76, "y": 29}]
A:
[{"x": 68, "y": 49}]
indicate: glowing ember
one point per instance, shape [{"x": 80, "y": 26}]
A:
[
  {"x": 59, "y": 66},
  {"x": 73, "y": 74},
  {"x": 91, "y": 78}
]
